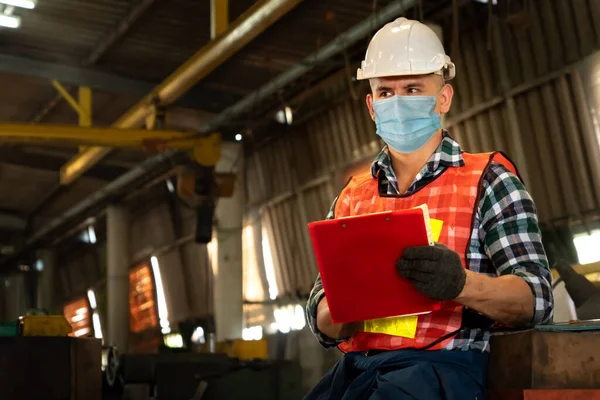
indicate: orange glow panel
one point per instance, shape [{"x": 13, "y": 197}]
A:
[
  {"x": 141, "y": 299},
  {"x": 78, "y": 314}
]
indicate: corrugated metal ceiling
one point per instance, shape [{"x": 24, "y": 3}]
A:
[
  {"x": 63, "y": 30},
  {"x": 169, "y": 32},
  {"x": 166, "y": 34},
  {"x": 23, "y": 187}
]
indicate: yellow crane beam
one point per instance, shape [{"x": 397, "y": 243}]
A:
[
  {"x": 583, "y": 269},
  {"x": 238, "y": 34},
  {"x": 206, "y": 148}
]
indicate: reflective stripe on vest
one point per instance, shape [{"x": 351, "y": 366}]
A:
[{"x": 452, "y": 197}]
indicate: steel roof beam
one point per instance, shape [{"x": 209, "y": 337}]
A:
[
  {"x": 12, "y": 221},
  {"x": 242, "y": 31},
  {"x": 50, "y": 163},
  {"x": 78, "y": 76},
  {"x": 102, "y": 48},
  {"x": 126, "y": 181}
]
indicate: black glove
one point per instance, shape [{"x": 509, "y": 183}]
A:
[{"x": 435, "y": 271}]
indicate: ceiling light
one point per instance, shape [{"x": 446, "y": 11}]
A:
[
  {"x": 92, "y": 234},
  {"x": 30, "y": 4},
  {"x": 10, "y": 21},
  {"x": 238, "y": 137},
  {"x": 284, "y": 116},
  {"x": 198, "y": 336},
  {"x": 170, "y": 186}
]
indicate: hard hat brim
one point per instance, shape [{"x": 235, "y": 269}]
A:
[{"x": 448, "y": 73}]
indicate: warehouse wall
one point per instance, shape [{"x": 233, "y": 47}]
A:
[
  {"x": 184, "y": 265},
  {"x": 526, "y": 96},
  {"x": 521, "y": 88},
  {"x": 527, "y": 85}
]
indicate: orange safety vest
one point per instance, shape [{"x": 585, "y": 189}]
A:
[{"x": 452, "y": 197}]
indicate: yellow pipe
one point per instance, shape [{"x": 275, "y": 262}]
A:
[
  {"x": 70, "y": 135},
  {"x": 219, "y": 17},
  {"x": 584, "y": 269},
  {"x": 243, "y": 30},
  {"x": 85, "y": 102},
  {"x": 67, "y": 96}
]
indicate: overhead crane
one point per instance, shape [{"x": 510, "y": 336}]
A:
[
  {"x": 197, "y": 184},
  {"x": 206, "y": 149}
]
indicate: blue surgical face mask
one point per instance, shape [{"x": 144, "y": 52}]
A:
[{"x": 406, "y": 123}]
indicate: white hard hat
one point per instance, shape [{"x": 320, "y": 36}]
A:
[{"x": 405, "y": 47}]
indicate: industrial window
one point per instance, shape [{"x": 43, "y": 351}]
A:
[
  {"x": 78, "y": 314},
  {"x": 141, "y": 299},
  {"x": 587, "y": 247},
  {"x": 253, "y": 285},
  {"x": 269, "y": 264}
]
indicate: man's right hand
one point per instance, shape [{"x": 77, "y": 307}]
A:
[{"x": 328, "y": 328}]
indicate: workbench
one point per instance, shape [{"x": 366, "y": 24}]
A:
[
  {"x": 534, "y": 365},
  {"x": 50, "y": 368}
]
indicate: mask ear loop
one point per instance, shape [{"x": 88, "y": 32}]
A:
[
  {"x": 440, "y": 91},
  {"x": 444, "y": 83}
]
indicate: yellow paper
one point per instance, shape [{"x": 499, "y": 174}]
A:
[
  {"x": 395, "y": 326},
  {"x": 436, "y": 228}
]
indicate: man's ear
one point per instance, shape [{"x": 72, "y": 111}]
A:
[
  {"x": 369, "y": 101},
  {"x": 445, "y": 99}
]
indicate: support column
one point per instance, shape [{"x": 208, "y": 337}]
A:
[
  {"x": 228, "y": 279},
  {"x": 46, "y": 286},
  {"x": 117, "y": 277}
]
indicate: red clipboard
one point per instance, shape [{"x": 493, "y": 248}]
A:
[{"x": 357, "y": 259}]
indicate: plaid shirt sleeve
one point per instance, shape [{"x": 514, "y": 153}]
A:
[
  {"x": 511, "y": 237},
  {"x": 317, "y": 293}
]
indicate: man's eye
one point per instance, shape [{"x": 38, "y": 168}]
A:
[
  {"x": 412, "y": 91},
  {"x": 385, "y": 94}
]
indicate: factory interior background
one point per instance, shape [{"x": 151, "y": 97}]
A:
[{"x": 122, "y": 209}]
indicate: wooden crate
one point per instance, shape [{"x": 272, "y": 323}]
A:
[
  {"x": 531, "y": 363},
  {"x": 50, "y": 368}
]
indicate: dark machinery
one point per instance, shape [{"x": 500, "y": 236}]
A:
[
  {"x": 200, "y": 376},
  {"x": 50, "y": 368},
  {"x": 584, "y": 293}
]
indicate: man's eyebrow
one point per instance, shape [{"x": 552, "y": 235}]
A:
[
  {"x": 415, "y": 83},
  {"x": 382, "y": 88}
]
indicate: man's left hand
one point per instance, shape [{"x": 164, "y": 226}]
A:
[{"x": 436, "y": 271}]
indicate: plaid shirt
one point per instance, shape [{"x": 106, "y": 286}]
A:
[{"x": 505, "y": 240}]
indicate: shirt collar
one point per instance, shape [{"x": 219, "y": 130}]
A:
[{"x": 448, "y": 154}]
